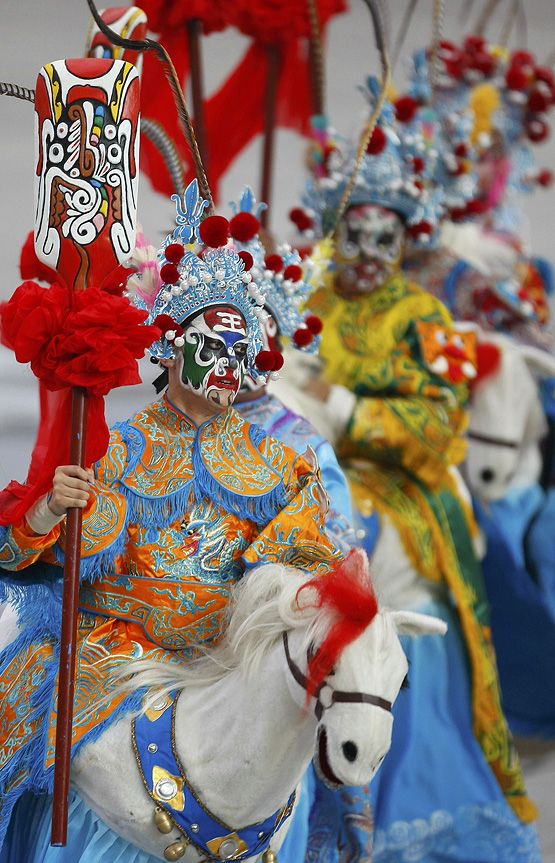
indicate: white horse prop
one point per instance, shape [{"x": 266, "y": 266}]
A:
[
  {"x": 507, "y": 421},
  {"x": 306, "y": 669}
]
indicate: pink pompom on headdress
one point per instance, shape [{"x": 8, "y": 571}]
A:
[{"x": 146, "y": 282}]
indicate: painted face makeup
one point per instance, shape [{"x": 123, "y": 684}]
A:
[
  {"x": 214, "y": 354},
  {"x": 369, "y": 250}
]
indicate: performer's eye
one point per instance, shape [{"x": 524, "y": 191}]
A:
[
  {"x": 240, "y": 351},
  {"x": 385, "y": 239},
  {"x": 214, "y": 344}
]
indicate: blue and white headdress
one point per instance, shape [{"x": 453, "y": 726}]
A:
[
  {"x": 199, "y": 268},
  {"x": 403, "y": 170},
  {"x": 283, "y": 279}
]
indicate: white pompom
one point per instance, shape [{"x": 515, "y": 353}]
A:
[
  {"x": 170, "y": 335},
  {"x": 206, "y": 277},
  {"x": 193, "y": 281},
  {"x": 179, "y": 341}
]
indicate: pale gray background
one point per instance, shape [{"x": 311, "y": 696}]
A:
[{"x": 33, "y": 32}]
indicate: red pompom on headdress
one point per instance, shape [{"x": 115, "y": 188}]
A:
[
  {"x": 169, "y": 274},
  {"x": 214, "y": 231},
  {"x": 314, "y": 324},
  {"x": 300, "y": 219},
  {"x": 274, "y": 263},
  {"x": 167, "y": 325},
  {"x": 405, "y": 109},
  {"x": 269, "y": 361},
  {"x": 174, "y": 252},
  {"x": 293, "y": 272},
  {"x": 302, "y": 337},
  {"x": 347, "y": 591},
  {"x": 377, "y": 142},
  {"x": 247, "y": 259},
  {"x": 243, "y": 227}
]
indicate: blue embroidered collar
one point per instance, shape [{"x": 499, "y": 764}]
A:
[{"x": 163, "y": 776}]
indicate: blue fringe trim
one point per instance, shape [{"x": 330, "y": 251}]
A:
[
  {"x": 30, "y": 757},
  {"x": 159, "y": 512},
  {"x": 35, "y": 595},
  {"x": 94, "y": 566},
  {"x": 259, "y": 509}
]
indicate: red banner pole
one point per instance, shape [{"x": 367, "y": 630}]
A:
[
  {"x": 68, "y": 639},
  {"x": 270, "y": 111}
]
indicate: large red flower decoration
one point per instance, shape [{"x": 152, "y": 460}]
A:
[{"x": 89, "y": 339}]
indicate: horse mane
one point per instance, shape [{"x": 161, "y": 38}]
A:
[
  {"x": 333, "y": 609},
  {"x": 347, "y": 590}
]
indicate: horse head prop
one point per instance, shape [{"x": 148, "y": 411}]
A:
[
  {"x": 307, "y": 669},
  {"x": 507, "y": 421}
]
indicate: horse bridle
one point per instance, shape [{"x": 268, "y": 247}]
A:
[
  {"x": 494, "y": 441},
  {"x": 335, "y": 696}
]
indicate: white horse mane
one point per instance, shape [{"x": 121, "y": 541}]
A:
[{"x": 263, "y": 605}]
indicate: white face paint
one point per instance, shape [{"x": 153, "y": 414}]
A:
[
  {"x": 214, "y": 354},
  {"x": 369, "y": 250}
]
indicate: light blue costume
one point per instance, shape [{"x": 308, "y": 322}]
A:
[{"x": 297, "y": 433}]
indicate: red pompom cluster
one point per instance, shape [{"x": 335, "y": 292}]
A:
[
  {"x": 269, "y": 361},
  {"x": 306, "y": 333},
  {"x": 89, "y": 339},
  {"x": 377, "y": 142},
  {"x": 247, "y": 259},
  {"x": 174, "y": 252},
  {"x": 214, "y": 231},
  {"x": 274, "y": 263},
  {"x": 275, "y": 21},
  {"x": 300, "y": 219},
  {"x": 167, "y": 16}
]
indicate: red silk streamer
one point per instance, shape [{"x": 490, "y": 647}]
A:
[
  {"x": 90, "y": 339},
  {"x": 234, "y": 114}
]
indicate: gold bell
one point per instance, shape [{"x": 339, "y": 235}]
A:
[
  {"x": 162, "y": 820},
  {"x": 176, "y": 850},
  {"x": 269, "y": 856}
]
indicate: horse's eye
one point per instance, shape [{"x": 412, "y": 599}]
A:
[{"x": 406, "y": 682}]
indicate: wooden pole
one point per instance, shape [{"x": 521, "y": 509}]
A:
[
  {"x": 194, "y": 32},
  {"x": 270, "y": 110},
  {"x": 68, "y": 639}
]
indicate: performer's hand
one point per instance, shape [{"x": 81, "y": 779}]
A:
[
  {"x": 318, "y": 388},
  {"x": 71, "y": 487}
]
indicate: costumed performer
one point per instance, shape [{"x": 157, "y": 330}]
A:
[
  {"x": 395, "y": 387},
  {"x": 188, "y": 496}
]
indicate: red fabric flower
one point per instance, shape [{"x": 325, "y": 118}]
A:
[
  {"x": 88, "y": 339},
  {"x": 243, "y": 227}
]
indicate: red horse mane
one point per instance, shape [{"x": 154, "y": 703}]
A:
[{"x": 348, "y": 591}]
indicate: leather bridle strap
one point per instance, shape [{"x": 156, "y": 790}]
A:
[
  {"x": 494, "y": 441},
  {"x": 335, "y": 696}
]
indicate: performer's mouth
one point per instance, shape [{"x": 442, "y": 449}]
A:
[{"x": 322, "y": 764}]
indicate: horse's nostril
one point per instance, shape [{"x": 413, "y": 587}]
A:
[
  {"x": 487, "y": 474},
  {"x": 350, "y": 750}
]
